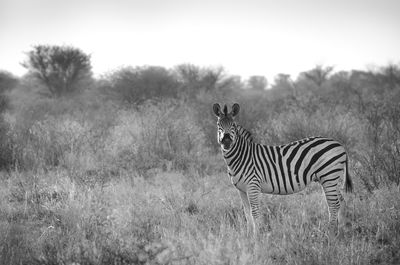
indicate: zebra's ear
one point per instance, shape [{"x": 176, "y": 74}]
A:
[
  {"x": 235, "y": 109},
  {"x": 217, "y": 109}
]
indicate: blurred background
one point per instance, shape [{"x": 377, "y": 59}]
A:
[{"x": 150, "y": 117}]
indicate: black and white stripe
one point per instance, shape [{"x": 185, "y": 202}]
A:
[{"x": 285, "y": 169}]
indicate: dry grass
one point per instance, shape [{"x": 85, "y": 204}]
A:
[
  {"x": 172, "y": 218},
  {"x": 92, "y": 181}
]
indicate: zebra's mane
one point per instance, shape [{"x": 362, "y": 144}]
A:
[{"x": 242, "y": 132}]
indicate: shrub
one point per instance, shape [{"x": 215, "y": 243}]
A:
[
  {"x": 136, "y": 85},
  {"x": 6, "y": 156},
  {"x": 379, "y": 159},
  {"x": 297, "y": 124},
  {"x": 51, "y": 132},
  {"x": 156, "y": 133}
]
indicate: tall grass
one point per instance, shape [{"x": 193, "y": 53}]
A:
[{"x": 179, "y": 219}]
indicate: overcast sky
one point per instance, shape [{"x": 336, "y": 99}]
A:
[{"x": 248, "y": 37}]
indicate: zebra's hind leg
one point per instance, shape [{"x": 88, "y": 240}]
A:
[
  {"x": 333, "y": 199},
  {"x": 344, "y": 222},
  {"x": 333, "y": 206}
]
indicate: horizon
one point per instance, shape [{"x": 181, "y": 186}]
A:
[{"x": 245, "y": 38}]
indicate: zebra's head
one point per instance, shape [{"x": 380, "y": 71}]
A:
[{"x": 226, "y": 124}]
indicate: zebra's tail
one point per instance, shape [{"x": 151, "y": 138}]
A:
[{"x": 348, "y": 183}]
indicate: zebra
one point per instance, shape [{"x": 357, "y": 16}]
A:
[{"x": 285, "y": 169}]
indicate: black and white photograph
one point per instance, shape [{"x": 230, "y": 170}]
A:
[{"x": 173, "y": 132}]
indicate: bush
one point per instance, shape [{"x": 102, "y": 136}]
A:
[
  {"x": 379, "y": 159},
  {"x": 47, "y": 133},
  {"x": 6, "y": 153},
  {"x": 7, "y": 83},
  {"x": 156, "y": 134},
  {"x": 297, "y": 124},
  {"x": 136, "y": 85}
]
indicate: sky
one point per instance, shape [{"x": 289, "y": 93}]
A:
[{"x": 248, "y": 37}]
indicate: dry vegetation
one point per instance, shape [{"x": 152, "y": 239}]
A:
[{"x": 104, "y": 177}]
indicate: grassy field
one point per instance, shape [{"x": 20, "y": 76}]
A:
[
  {"x": 91, "y": 178},
  {"x": 183, "y": 218}
]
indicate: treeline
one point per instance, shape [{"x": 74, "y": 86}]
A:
[{"x": 137, "y": 119}]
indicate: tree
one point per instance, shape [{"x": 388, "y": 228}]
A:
[
  {"x": 60, "y": 68},
  {"x": 194, "y": 79},
  {"x": 7, "y": 82},
  {"x": 390, "y": 76},
  {"x": 135, "y": 85},
  {"x": 257, "y": 82},
  {"x": 282, "y": 81},
  {"x": 284, "y": 89},
  {"x": 188, "y": 74},
  {"x": 232, "y": 82},
  {"x": 318, "y": 75}
]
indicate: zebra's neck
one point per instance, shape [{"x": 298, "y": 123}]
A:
[
  {"x": 244, "y": 133},
  {"x": 234, "y": 157}
]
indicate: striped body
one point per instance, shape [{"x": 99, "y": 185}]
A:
[{"x": 286, "y": 169}]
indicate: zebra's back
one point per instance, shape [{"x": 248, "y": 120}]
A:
[{"x": 289, "y": 168}]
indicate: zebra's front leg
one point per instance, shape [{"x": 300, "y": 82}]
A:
[
  {"x": 253, "y": 195},
  {"x": 247, "y": 211}
]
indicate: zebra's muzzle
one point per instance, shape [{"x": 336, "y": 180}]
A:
[{"x": 226, "y": 142}]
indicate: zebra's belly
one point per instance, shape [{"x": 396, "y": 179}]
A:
[{"x": 266, "y": 188}]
